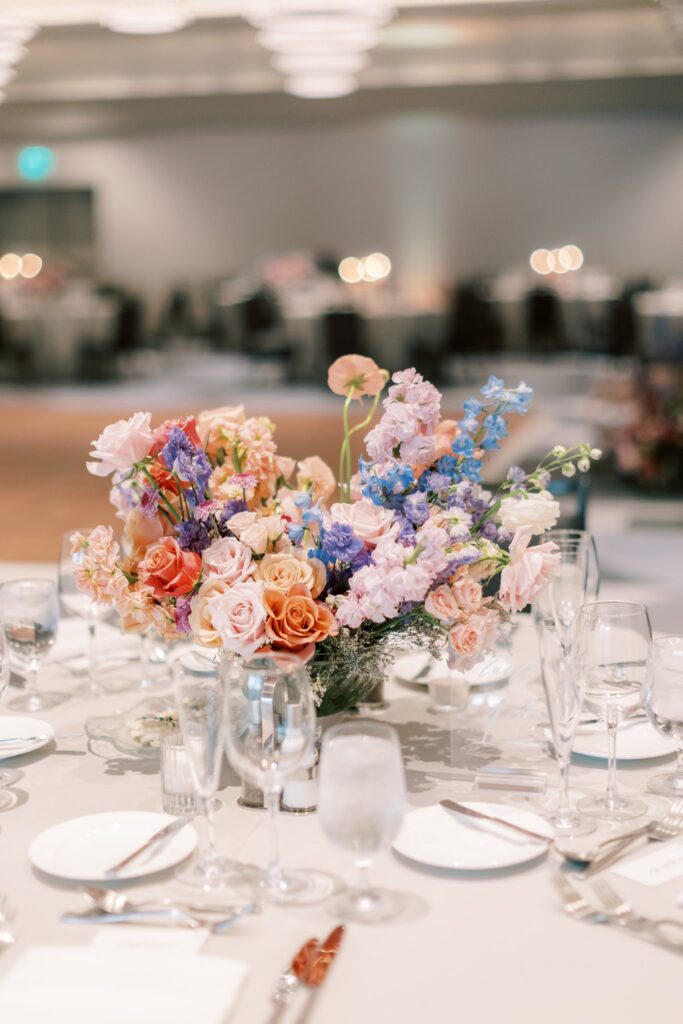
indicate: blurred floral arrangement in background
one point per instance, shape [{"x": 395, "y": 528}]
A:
[
  {"x": 648, "y": 447},
  {"x": 228, "y": 543}
]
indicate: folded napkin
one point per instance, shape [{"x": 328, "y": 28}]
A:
[{"x": 81, "y": 984}]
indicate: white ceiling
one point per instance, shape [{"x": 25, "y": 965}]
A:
[{"x": 494, "y": 56}]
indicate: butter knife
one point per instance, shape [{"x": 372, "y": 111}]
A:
[
  {"x": 451, "y": 805},
  {"x": 291, "y": 979},
  {"x": 319, "y": 968},
  {"x": 158, "y": 837}
]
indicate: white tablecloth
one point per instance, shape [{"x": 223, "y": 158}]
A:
[{"x": 494, "y": 948}]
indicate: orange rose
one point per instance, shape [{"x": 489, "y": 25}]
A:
[
  {"x": 282, "y": 570},
  {"x": 295, "y": 620},
  {"x": 141, "y": 530},
  {"x": 168, "y": 570},
  {"x": 357, "y": 372}
]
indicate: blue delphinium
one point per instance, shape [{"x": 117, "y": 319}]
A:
[{"x": 338, "y": 544}]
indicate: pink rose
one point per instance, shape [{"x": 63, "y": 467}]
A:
[
  {"x": 528, "y": 570},
  {"x": 228, "y": 559},
  {"x": 121, "y": 444},
  {"x": 239, "y": 617},
  {"x": 257, "y": 532},
  {"x": 471, "y": 638},
  {"x": 201, "y": 615},
  {"x": 441, "y": 603},
  {"x": 368, "y": 521},
  {"x": 468, "y": 593},
  {"x": 313, "y": 472}
]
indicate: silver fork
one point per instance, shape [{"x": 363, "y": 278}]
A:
[
  {"x": 623, "y": 913},
  {"x": 670, "y": 826},
  {"x": 7, "y": 936}
]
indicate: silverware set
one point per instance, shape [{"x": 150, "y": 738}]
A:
[
  {"x": 307, "y": 971},
  {"x": 603, "y": 904},
  {"x": 670, "y": 826},
  {"x": 107, "y": 906}
]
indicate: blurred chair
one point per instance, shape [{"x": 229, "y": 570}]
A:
[
  {"x": 543, "y": 321},
  {"x": 472, "y": 325},
  {"x": 263, "y": 334},
  {"x": 177, "y": 318},
  {"x": 344, "y": 333},
  {"x": 622, "y": 329}
]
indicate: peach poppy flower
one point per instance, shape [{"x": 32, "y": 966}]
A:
[{"x": 358, "y": 372}]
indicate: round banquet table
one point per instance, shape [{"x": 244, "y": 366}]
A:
[{"x": 493, "y": 947}]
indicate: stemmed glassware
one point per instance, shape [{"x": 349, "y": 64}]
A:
[
  {"x": 79, "y": 603},
  {"x": 270, "y": 731},
  {"x": 361, "y": 804},
  {"x": 663, "y": 700},
  {"x": 575, "y": 580},
  {"x": 199, "y": 700},
  {"x": 29, "y": 613},
  {"x": 7, "y": 775},
  {"x": 612, "y": 641},
  {"x": 564, "y": 692}
]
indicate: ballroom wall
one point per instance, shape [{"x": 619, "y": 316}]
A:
[{"x": 441, "y": 194}]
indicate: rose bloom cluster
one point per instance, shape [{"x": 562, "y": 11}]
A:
[{"x": 229, "y": 543}]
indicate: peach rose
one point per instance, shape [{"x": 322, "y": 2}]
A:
[
  {"x": 441, "y": 603},
  {"x": 168, "y": 570},
  {"x": 228, "y": 559},
  {"x": 121, "y": 444},
  {"x": 135, "y": 608},
  {"x": 215, "y": 426},
  {"x": 282, "y": 570},
  {"x": 468, "y": 594},
  {"x": 257, "y": 532},
  {"x": 470, "y": 639},
  {"x": 295, "y": 620},
  {"x": 359, "y": 373},
  {"x": 239, "y": 617},
  {"x": 316, "y": 474},
  {"x": 367, "y": 520},
  {"x": 141, "y": 530},
  {"x": 201, "y": 615},
  {"x": 528, "y": 570}
]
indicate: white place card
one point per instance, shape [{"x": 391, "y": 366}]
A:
[
  {"x": 132, "y": 937},
  {"x": 655, "y": 868}
]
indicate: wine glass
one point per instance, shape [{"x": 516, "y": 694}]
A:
[
  {"x": 270, "y": 731},
  {"x": 29, "y": 613},
  {"x": 575, "y": 580},
  {"x": 81, "y": 604},
  {"x": 663, "y": 700},
  {"x": 361, "y": 803},
  {"x": 612, "y": 641},
  {"x": 7, "y": 775},
  {"x": 199, "y": 700},
  {"x": 564, "y": 693}
]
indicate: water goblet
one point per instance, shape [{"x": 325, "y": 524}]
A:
[
  {"x": 199, "y": 700},
  {"x": 361, "y": 804},
  {"x": 81, "y": 604},
  {"x": 564, "y": 693},
  {"x": 270, "y": 731},
  {"x": 611, "y": 645},
  {"x": 663, "y": 700},
  {"x": 7, "y": 775},
  {"x": 29, "y": 613}
]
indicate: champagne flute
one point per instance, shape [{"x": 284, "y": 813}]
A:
[
  {"x": 361, "y": 805},
  {"x": 574, "y": 545},
  {"x": 199, "y": 699},
  {"x": 663, "y": 699},
  {"x": 567, "y": 586},
  {"x": 29, "y": 613},
  {"x": 612, "y": 641},
  {"x": 270, "y": 732},
  {"x": 81, "y": 604},
  {"x": 564, "y": 693}
]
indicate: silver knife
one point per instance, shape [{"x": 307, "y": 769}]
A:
[
  {"x": 163, "y": 833},
  {"x": 169, "y": 916}
]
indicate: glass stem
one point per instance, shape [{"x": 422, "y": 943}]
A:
[
  {"x": 32, "y": 678},
  {"x": 209, "y": 825},
  {"x": 364, "y": 888},
  {"x": 563, "y": 808},
  {"x": 91, "y": 651},
  {"x": 611, "y": 795},
  {"x": 679, "y": 760},
  {"x": 272, "y": 801}
]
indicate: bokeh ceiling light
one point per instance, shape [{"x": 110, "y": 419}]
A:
[
  {"x": 17, "y": 30},
  {"x": 145, "y": 17},
  {"x": 10, "y": 266},
  {"x": 351, "y": 270},
  {"x": 11, "y": 53},
  {"x": 31, "y": 265},
  {"x": 6, "y": 76},
  {"x": 556, "y": 261},
  {"x": 380, "y": 264},
  {"x": 320, "y": 87},
  {"x": 319, "y": 64},
  {"x": 571, "y": 257}
]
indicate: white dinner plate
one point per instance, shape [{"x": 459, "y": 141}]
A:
[
  {"x": 637, "y": 742},
  {"x": 83, "y": 849},
  {"x": 419, "y": 668},
  {"x": 444, "y": 839},
  {"x": 32, "y": 734}
]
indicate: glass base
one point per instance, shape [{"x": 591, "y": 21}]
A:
[
  {"x": 286, "y": 887},
  {"x": 572, "y": 824},
  {"x": 37, "y": 701},
  {"x": 618, "y": 809},
  {"x": 666, "y": 785},
  {"x": 368, "y": 906},
  {"x": 7, "y": 799},
  {"x": 210, "y": 873},
  {"x": 8, "y": 776}
]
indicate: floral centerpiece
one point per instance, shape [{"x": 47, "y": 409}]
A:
[{"x": 235, "y": 546}]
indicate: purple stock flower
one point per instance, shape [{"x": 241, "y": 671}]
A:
[
  {"x": 181, "y": 612},
  {"x": 149, "y": 501},
  {"x": 193, "y": 536},
  {"x": 231, "y": 509}
]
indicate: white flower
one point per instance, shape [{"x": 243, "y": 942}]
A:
[
  {"x": 121, "y": 444},
  {"x": 569, "y": 469},
  {"x": 596, "y": 453},
  {"x": 538, "y": 510},
  {"x": 583, "y": 465},
  {"x": 559, "y": 450}
]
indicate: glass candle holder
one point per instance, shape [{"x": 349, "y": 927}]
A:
[{"x": 178, "y": 795}]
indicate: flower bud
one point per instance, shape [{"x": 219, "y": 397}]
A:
[
  {"x": 559, "y": 450},
  {"x": 583, "y": 464},
  {"x": 596, "y": 453},
  {"x": 569, "y": 469}
]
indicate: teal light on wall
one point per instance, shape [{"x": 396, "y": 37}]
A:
[{"x": 36, "y": 163}]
